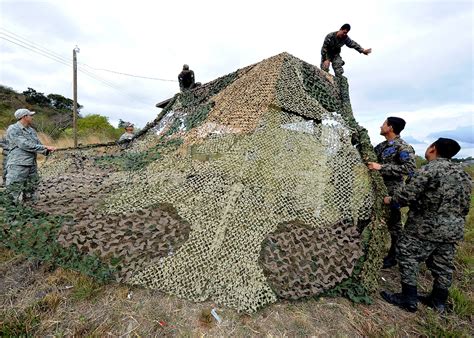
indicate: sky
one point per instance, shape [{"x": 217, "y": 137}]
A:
[{"x": 420, "y": 69}]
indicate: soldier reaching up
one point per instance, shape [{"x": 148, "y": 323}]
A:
[
  {"x": 396, "y": 159},
  {"x": 439, "y": 198}
]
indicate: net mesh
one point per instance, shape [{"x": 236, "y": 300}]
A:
[{"x": 247, "y": 189}]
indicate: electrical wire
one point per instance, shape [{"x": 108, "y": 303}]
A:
[
  {"x": 57, "y": 58},
  {"x": 127, "y": 74}
]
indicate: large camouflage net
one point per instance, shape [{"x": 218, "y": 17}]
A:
[{"x": 248, "y": 188}]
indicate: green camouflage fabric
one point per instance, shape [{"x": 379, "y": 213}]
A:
[
  {"x": 398, "y": 160},
  {"x": 439, "y": 199},
  {"x": 332, "y": 48},
  {"x": 4, "y": 146},
  {"x": 439, "y": 258},
  {"x": 22, "y": 176}
]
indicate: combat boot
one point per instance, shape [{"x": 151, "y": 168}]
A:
[
  {"x": 391, "y": 259},
  {"x": 406, "y": 300},
  {"x": 436, "y": 300}
]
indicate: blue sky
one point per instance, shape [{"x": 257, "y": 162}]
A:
[{"x": 421, "y": 67}]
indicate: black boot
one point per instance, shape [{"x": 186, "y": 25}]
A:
[
  {"x": 406, "y": 300},
  {"x": 436, "y": 300},
  {"x": 391, "y": 259}
]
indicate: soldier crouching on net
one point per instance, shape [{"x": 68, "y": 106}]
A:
[
  {"x": 24, "y": 145},
  {"x": 186, "y": 79},
  {"x": 439, "y": 197}
]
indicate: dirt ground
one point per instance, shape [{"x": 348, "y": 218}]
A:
[{"x": 38, "y": 300}]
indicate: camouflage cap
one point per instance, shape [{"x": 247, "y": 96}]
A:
[
  {"x": 128, "y": 125},
  {"x": 23, "y": 112}
]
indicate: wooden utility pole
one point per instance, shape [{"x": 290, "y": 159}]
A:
[{"x": 74, "y": 112}]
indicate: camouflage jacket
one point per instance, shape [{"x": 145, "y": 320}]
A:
[
  {"x": 4, "y": 145},
  {"x": 397, "y": 159},
  {"x": 186, "y": 79},
  {"x": 24, "y": 144},
  {"x": 126, "y": 137},
  {"x": 439, "y": 197},
  {"x": 332, "y": 46}
]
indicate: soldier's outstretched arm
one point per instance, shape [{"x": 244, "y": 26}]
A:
[
  {"x": 411, "y": 191},
  {"x": 352, "y": 44}
]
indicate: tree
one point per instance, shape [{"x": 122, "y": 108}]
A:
[
  {"x": 121, "y": 124},
  {"x": 62, "y": 103},
  {"x": 34, "y": 97}
]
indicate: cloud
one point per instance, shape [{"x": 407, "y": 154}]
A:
[
  {"x": 411, "y": 140},
  {"x": 461, "y": 134}
]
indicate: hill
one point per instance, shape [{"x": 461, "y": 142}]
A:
[{"x": 54, "y": 110}]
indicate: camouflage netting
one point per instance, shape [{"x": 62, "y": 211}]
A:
[{"x": 248, "y": 188}]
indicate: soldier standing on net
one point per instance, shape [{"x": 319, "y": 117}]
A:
[
  {"x": 23, "y": 142},
  {"x": 439, "y": 196},
  {"x": 332, "y": 48},
  {"x": 396, "y": 159}
]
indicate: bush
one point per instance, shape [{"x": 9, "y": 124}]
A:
[{"x": 94, "y": 124}]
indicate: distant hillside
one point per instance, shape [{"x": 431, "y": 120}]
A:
[{"x": 54, "y": 111}]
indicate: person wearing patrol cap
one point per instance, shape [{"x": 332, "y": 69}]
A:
[
  {"x": 396, "y": 160},
  {"x": 24, "y": 145},
  {"x": 186, "y": 79},
  {"x": 129, "y": 134}
]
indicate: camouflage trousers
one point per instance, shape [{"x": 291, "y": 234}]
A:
[
  {"x": 21, "y": 182},
  {"x": 337, "y": 64},
  {"x": 4, "y": 169},
  {"x": 394, "y": 221},
  {"x": 439, "y": 258}
]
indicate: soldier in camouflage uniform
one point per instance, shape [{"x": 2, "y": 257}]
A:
[
  {"x": 4, "y": 146},
  {"x": 186, "y": 79},
  {"x": 396, "y": 160},
  {"x": 439, "y": 198},
  {"x": 23, "y": 142},
  {"x": 332, "y": 48},
  {"x": 128, "y": 135}
]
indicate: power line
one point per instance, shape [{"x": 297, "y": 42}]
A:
[
  {"x": 35, "y": 48},
  {"x": 32, "y": 44},
  {"x": 53, "y": 54},
  {"x": 127, "y": 74},
  {"x": 35, "y": 51}
]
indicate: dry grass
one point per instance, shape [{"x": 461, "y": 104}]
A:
[{"x": 37, "y": 300}]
